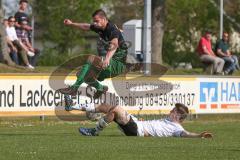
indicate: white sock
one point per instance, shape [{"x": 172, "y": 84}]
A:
[
  {"x": 88, "y": 107},
  {"x": 77, "y": 107},
  {"x": 101, "y": 124}
]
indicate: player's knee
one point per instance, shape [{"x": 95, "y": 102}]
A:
[
  {"x": 104, "y": 108},
  {"x": 109, "y": 117},
  {"x": 91, "y": 59},
  {"x": 95, "y": 60},
  {"x": 109, "y": 109},
  {"x": 114, "y": 110}
]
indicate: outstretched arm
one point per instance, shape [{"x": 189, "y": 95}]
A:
[
  {"x": 204, "y": 134},
  {"x": 82, "y": 26}
]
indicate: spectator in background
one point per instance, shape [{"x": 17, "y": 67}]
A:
[
  {"x": 5, "y": 23},
  {"x": 207, "y": 55},
  {"x": 11, "y": 48},
  {"x": 21, "y": 15},
  {"x": 22, "y": 35},
  {"x": 222, "y": 50},
  {"x": 16, "y": 44}
]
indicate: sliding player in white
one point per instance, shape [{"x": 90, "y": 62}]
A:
[{"x": 167, "y": 127}]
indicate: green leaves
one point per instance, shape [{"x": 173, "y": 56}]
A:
[
  {"x": 185, "y": 22},
  {"x": 51, "y": 14}
]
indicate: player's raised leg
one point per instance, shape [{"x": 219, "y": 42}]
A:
[
  {"x": 72, "y": 90},
  {"x": 112, "y": 113},
  {"x": 88, "y": 74}
]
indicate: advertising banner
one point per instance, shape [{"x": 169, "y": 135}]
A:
[{"x": 35, "y": 95}]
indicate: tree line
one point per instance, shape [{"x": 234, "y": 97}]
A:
[{"x": 177, "y": 25}]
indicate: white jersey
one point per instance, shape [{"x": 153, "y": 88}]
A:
[
  {"x": 160, "y": 128},
  {"x": 11, "y": 33}
]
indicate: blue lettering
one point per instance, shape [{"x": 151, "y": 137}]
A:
[
  {"x": 238, "y": 91},
  {"x": 224, "y": 91},
  {"x": 233, "y": 93}
]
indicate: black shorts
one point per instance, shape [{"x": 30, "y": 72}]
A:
[{"x": 129, "y": 129}]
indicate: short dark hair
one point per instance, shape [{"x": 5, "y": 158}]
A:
[
  {"x": 23, "y": 1},
  {"x": 225, "y": 32},
  {"x": 99, "y": 12},
  {"x": 9, "y": 18},
  {"x": 182, "y": 109},
  {"x": 208, "y": 31}
]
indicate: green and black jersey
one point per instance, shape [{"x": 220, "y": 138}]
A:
[{"x": 105, "y": 36}]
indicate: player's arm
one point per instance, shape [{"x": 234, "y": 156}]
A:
[
  {"x": 112, "y": 49},
  {"x": 82, "y": 26},
  {"x": 205, "y": 134}
]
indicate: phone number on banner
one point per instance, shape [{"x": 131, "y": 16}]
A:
[{"x": 169, "y": 99}]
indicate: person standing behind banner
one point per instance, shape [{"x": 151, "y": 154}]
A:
[{"x": 21, "y": 15}]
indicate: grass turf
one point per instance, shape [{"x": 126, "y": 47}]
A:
[
  {"x": 49, "y": 69},
  {"x": 25, "y": 139}
]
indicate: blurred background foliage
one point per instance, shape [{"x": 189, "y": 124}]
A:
[{"x": 185, "y": 21}]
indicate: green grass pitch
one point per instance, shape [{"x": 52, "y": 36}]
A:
[{"x": 30, "y": 139}]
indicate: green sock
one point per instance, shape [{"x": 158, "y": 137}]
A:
[
  {"x": 97, "y": 85},
  {"x": 92, "y": 81},
  {"x": 80, "y": 78}
]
